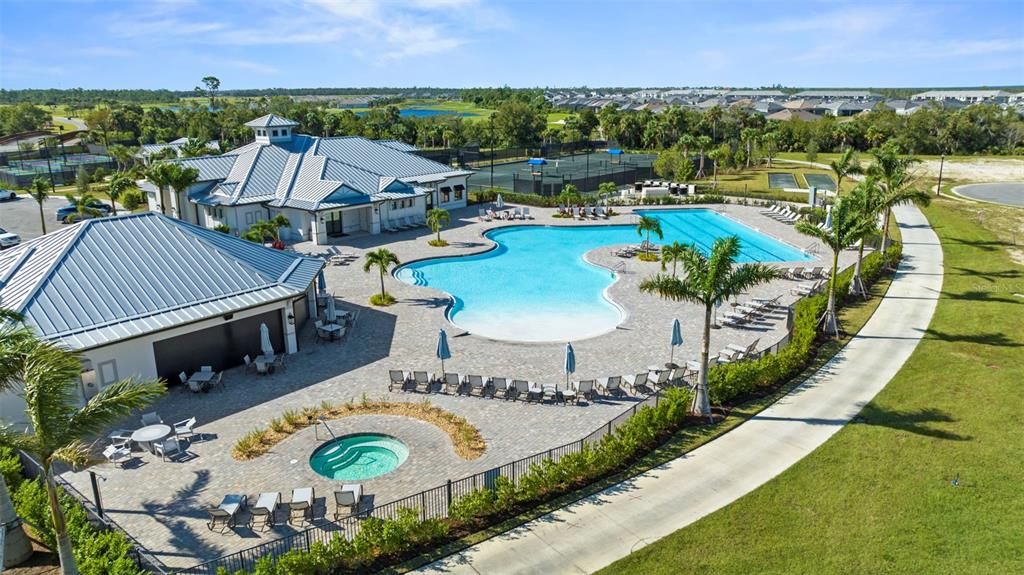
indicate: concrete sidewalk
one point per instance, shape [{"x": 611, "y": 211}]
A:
[{"x": 594, "y": 532}]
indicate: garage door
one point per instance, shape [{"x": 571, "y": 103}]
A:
[{"x": 221, "y": 346}]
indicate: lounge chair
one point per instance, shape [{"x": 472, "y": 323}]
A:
[
  {"x": 517, "y": 214},
  {"x": 518, "y": 387},
  {"x": 398, "y": 378},
  {"x": 526, "y": 214},
  {"x": 813, "y": 273},
  {"x": 301, "y": 505},
  {"x": 585, "y": 388},
  {"x": 499, "y": 385},
  {"x": 772, "y": 210},
  {"x": 475, "y": 383},
  {"x": 677, "y": 376},
  {"x": 795, "y": 273},
  {"x": 151, "y": 418},
  {"x": 450, "y": 381},
  {"x": 225, "y": 514},
  {"x": 349, "y": 497},
  {"x": 534, "y": 391},
  {"x": 662, "y": 379},
  {"x": 185, "y": 427},
  {"x": 482, "y": 214},
  {"x": 636, "y": 382},
  {"x": 806, "y": 289},
  {"x": 420, "y": 378},
  {"x": 612, "y": 386},
  {"x": 264, "y": 510},
  {"x": 249, "y": 364},
  {"x": 117, "y": 455}
]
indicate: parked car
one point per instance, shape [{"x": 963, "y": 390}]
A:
[
  {"x": 8, "y": 240},
  {"x": 71, "y": 210},
  {"x": 7, "y": 195}
]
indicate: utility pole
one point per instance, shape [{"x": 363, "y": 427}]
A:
[
  {"x": 938, "y": 188},
  {"x": 492, "y": 150}
]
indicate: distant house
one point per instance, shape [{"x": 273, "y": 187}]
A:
[
  {"x": 840, "y": 108},
  {"x": 786, "y": 115},
  {"x": 326, "y": 187},
  {"x": 145, "y": 295},
  {"x": 838, "y": 95},
  {"x": 146, "y": 151},
  {"x": 966, "y": 96}
]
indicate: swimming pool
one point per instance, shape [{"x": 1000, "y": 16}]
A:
[{"x": 535, "y": 285}]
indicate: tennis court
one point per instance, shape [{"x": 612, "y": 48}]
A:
[
  {"x": 582, "y": 170},
  {"x": 782, "y": 180},
  {"x": 820, "y": 181},
  {"x": 18, "y": 173}
]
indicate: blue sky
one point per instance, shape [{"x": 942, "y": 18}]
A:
[{"x": 463, "y": 43}]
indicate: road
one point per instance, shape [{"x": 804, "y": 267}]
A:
[{"x": 21, "y": 216}]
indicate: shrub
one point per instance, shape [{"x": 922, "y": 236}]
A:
[
  {"x": 132, "y": 199},
  {"x": 222, "y": 228},
  {"x": 382, "y": 299},
  {"x": 10, "y": 467}
]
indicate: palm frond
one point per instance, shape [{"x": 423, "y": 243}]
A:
[
  {"x": 15, "y": 439},
  {"x": 113, "y": 403},
  {"x": 76, "y": 454},
  {"x": 673, "y": 288},
  {"x": 47, "y": 376},
  {"x": 745, "y": 277},
  {"x": 723, "y": 256}
]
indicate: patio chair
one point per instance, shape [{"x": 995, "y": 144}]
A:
[
  {"x": 184, "y": 378},
  {"x": 677, "y": 377},
  {"x": 526, "y": 214},
  {"x": 451, "y": 380},
  {"x": 420, "y": 378},
  {"x": 585, "y": 388},
  {"x": 349, "y": 497},
  {"x": 185, "y": 427},
  {"x": 278, "y": 362},
  {"x": 475, "y": 382},
  {"x": 206, "y": 368},
  {"x": 321, "y": 333},
  {"x": 516, "y": 388},
  {"x": 225, "y": 514},
  {"x": 301, "y": 505},
  {"x": 398, "y": 378},
  {"x": 613, "y": 386},
  {"x": 806, "y": 289},
  {"x": 151, "y": 418},
  {"x": 772, "y": 210},
  {"x": 168, "y": 447},
  {"x": 117, "y": 455},
  {"x": 794, "y": 273},
  {"x": 121, "y": 438},
  {"x": 517, "y": 214},
  {"x": 499, "y": 385},
  {"x": 264, "y": 510},
  {"x": 636, "y": 382},
  {"x": 813, "y": 273},
  {"x": 663, "y": 377},
  {"x": 218, "y": 381}
]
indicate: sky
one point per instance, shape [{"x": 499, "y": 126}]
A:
[{"x": 467, "y": 43}]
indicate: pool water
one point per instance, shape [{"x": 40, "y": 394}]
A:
[
  {"x": 358, "y": 457},
  {"x": 535, "y": 285}
]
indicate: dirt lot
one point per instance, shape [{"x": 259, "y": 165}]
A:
[{"x": 979, "y": 170}]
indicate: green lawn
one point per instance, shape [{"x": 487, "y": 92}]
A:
[
  {"x": 877, "y": 497},
  {"x": 756, "y": 178}
]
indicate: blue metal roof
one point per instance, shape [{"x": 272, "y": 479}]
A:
[
  {"x": 107, "y": 279},
  {"x": 271, "y": 121}
]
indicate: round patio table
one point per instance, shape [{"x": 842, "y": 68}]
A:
[{"x": 150, "y": 434}]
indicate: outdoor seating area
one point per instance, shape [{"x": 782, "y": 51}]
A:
[
  {"x": 203, "y": 380},
  {"x": 333, "y": 325},
  {"x": 783, "y": 214},
  {"x": 756, "y": 308},
  {"x": 269, "y": 510},
  {"x": 404, "y": 224},
  {"x": 583, "y": 212},
  {"x": 154, "y": 436}
]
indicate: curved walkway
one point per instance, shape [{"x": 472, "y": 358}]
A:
[{"x": 594, "y": 532}]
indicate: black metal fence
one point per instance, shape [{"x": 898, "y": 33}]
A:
[
  {"x": 473, "y": 156},
  {"x": 552, "y": 185}
]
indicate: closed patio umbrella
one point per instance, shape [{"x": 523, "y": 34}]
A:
[
  {"x": 443, "y": 352},
  {"x": 570, "y": 362},
  {"x": 676, "y": 340},
  {"x": 331, "y": 313},
  {"x": 828, "y": 218},
  {"x": 321, "y": 283},
  {"x": 265, "y": 346},
  {"x": 499, "y": 203}
]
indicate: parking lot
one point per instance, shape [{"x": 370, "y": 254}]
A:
[{"x": 21, "y": 216}]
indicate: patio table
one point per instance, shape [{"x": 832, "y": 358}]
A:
[
  {"x": 332, "y": 329},
  {"x": 147, "y": 436},
  {"x": 201, "y": 379}
]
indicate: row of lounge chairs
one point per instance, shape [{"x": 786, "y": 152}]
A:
[
  {"x": 747, "y": 312},
  {"x": 799, "y": 273},
  {"x": 783, "y": 214},
  {"x": 510, "y": 214},
  {"x": 630, "y": 251},
  {"x": 584, "y": 212},
  {"x": 263, "y": 514},
  {"x": 402, "y": 224}
]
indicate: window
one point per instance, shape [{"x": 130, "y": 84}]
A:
[
  {"x": 275, "y": 133},
  {"x": 394, "y": 205},
  {"x": 446, "y": 195},
  {"x": 108, "y": 372},
  {"x": 458, "y": 192}
]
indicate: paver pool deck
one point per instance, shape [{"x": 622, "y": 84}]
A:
[
  {"x": 594, "y": 532},
  {"x": 162, "y": 503}
]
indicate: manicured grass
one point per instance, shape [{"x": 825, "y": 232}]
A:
[
  {"x": 878, "y": 497},
  {"x": 557, "y": 117},
  {"x": 56, "y": 125},
  {"x": 755, "y": 179}
]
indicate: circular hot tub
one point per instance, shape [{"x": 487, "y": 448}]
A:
[{"x": 359, "y": 456}]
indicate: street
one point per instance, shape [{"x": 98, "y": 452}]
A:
[{"x": 21, "y": 216}]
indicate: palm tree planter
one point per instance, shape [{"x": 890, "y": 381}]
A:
[
  {"x": 709, "y": 281},
  {"x": 646, "y": 226},
  {"x": 438, "y": 218},
  {"x": 60, "y": 428},
  {"x": 848, "y": 226},
  {"x": 382, "y": 259}
]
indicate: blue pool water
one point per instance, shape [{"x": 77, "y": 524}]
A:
[
  {"x": 536, "y": 286},
  {"x": 358, "y": 457}
]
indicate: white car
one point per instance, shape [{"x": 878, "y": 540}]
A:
[
  {"x": 8, "y": 240},
  {"x": 7, "y": 195}
]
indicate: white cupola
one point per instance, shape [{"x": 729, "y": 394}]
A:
[{"x": 271, "y": 129}]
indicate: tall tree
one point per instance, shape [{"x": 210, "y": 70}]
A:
[
  {"x": 673, "y": 252},
  {"x": 382, "y": 259},
  {"x": 39, "y": 189},
  {"x": 181, "y": 178},
  {"x": 119, "y": 184},
  {"x": 709, "y": 280},
  {"x": 845, "y": 165},
  {"x": 702, "y": 144},
  {"x": 13, "y": 338},
  {"x": 648, "y": 225},
  {"x": 60, "y": 429},
  {"x": 864, "y": 197},
  {"x": 212, "y": 84},
  {"x": 893, "y": 173},
  {"x": 438, "y": 218}
]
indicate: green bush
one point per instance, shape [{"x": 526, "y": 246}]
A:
[
  {"x": 10, "y": 467},
  {"x": 132, "y": 199}
]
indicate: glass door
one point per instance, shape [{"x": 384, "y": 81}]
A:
[{"x": 333, "y": 224}]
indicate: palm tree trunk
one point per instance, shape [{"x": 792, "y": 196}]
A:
[
  {"x": 42, "y": 218},
  {"x": 885, "y": 233},
  {"x": 701, "y": 404},
  {"x": 17, "y": 547},
  {"x": 857, "y": 284},
  {"x": 831, "y": 325},
  {"x": 60, "y": 528},
  {"x": 749, "y": 152},
  {"x": 383, "y": 294}
]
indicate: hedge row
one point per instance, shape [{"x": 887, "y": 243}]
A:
[{"x": 97, "y": 551}]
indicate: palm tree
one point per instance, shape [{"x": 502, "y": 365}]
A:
[
  {"x": 606, "y": 190},
  {"x": 39, "y": 189},
  {"x": 893, "y": 173},
  {"x": 648, "y": 225},
  {"x": 438, "y": 218},
  {"x": 865, "y": 197},
  {"x": 264, "y": 230},
  {"x": 674, "y": 253},
  {"x": 381, "y": 258},
  {"x": 119, "y": 184},
  {"x": 709, "y": 281},
  {"x": 160, "y": 175},
  {"x": 195, "y": 147},
  {"x": 702, "y": 144},
  {"x": 847, "y": 164},
  {"x": 848, "y": 226},
  {"x": 13, "y": 337},
  {"x": 181, "y": 178},
  {"x": 49, "y": 376},
  {"x": 83, "y": 207}
]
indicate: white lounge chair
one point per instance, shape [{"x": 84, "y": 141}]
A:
[
  {"x": 225, "y": 514},
  {"x": 301, "y": 505},
  {"x": 264, "y": 510},
  {"x": 526, "y": 214},
  {"x": 349, "y": 497}
]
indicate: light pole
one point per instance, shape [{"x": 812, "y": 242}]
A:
[
  {"x": 938, "y": 188},
  {"x": 491, "y": 123}
]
